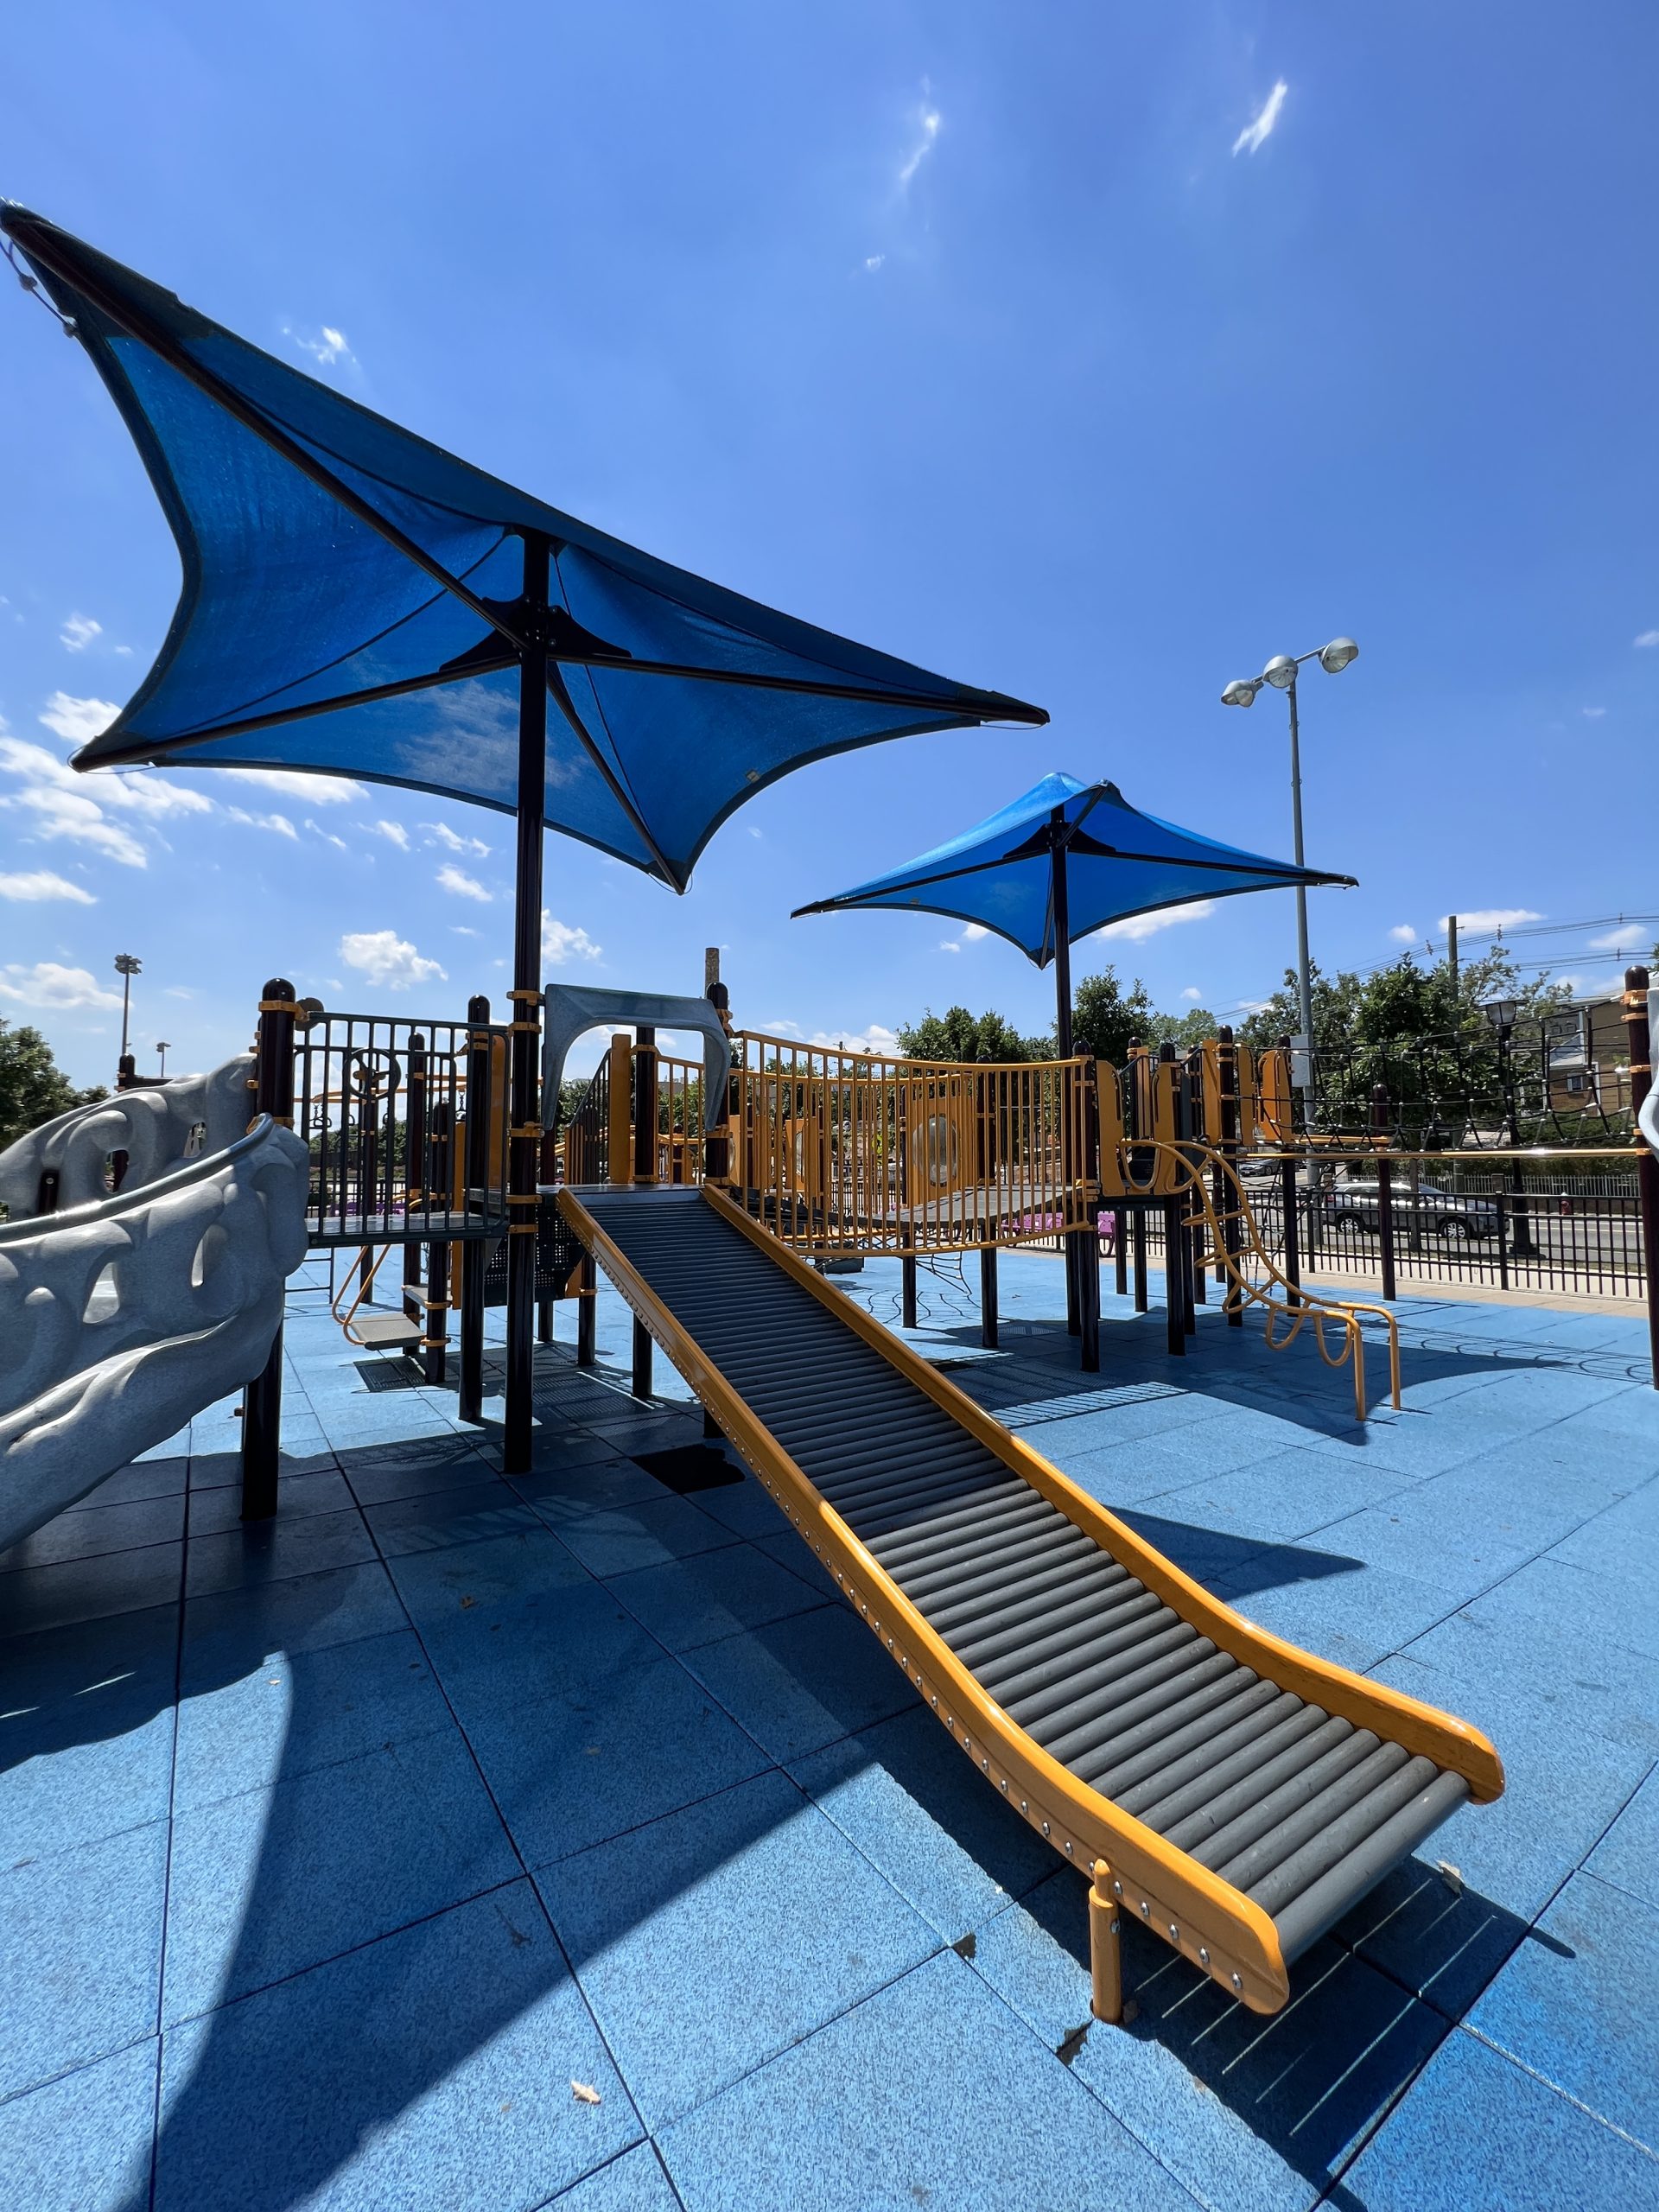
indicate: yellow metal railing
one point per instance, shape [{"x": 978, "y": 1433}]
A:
[
  {"x": 852, "y": 1152},
  {"x": 1232, "y": 1240}
]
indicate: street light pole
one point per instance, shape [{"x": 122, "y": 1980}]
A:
[
  {"x": 161, "y": 1046},
  {"x": 1280, "y": 673},
  {"x": 1304, "y": 981}
]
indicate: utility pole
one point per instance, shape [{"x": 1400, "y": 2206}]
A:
[{"x": 1451, "y": 949}]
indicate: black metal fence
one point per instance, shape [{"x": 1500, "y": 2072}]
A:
[
  {"x": 407, "y": 1126},
  {"x": 1551, "y": 1079},
  {"x": 1518, "y": 1226}
]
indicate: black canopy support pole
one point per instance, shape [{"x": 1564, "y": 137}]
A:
[
  {"x": 1062, "y": 939},
  {"x": 1059, "y": 913},
  {"x": 138, "y": 325},
  {"x": 523, "y": 1151}
]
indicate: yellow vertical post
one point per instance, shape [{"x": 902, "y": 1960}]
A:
[
  {"x": 619, "y": 1136},
  {"x": 1105, "y": 1947}
]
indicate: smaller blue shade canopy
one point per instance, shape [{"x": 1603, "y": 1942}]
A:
[
  {"x": 355, "y": 600},
  {"x": 1118, "y": 863}
]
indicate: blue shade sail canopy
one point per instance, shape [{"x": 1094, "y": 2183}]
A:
[
  {"x": 355, "y": 600},
  {"x": 1116, "y": 860}
]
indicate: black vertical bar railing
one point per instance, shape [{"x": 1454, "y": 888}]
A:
[
  {"x": 1384, "y": 1188},
  {"x": 262, "y": 1401}
]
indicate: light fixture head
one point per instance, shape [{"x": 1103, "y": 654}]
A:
[
  {"x": 1281, "y": 672},
  {"x": 1501, "y": 1014},
  {"x": 1241, "y": 692},
  {"x": 126, "y": 964},
  {"x": 1335, "y": 657}
]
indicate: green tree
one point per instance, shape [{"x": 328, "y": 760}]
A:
[
  {"x": 1106, "y": 1019},
  {"x": 33, "y": 1087},
  {"x": 1424, "y": 1037},
  {"x": 1183, "y": 1030},
  {"x": 958, "y": 1035}
]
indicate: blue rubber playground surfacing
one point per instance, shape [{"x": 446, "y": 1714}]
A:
[{"x": 332, "y": 1855}]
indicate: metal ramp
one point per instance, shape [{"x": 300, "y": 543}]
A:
[{"x": 1236, "y": 1794}]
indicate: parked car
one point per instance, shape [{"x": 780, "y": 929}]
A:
[{"x": 1452, "y": 1214}]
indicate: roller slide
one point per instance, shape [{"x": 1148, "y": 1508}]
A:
[{"x": 1236, "y": 1794}]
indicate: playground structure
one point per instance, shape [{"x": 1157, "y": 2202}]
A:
[
  {"x": 124, "y": 1311},
  {"x": 1234, "y": 1794}
]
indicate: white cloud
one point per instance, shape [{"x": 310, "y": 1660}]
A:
[
  {"x": 77, "y": 722},
  {"x": 461, "y": 929},
  {"x": 1404, "y": 933},
  {"x": 1593, "y": 714},
  {"x": 453, "y": 841},
  {"x": 297, "y": 783},
  {"x": 328, "y": 347},
  {"x": 928, "y": 120},
  {"x": 1647, "y": 637},
  {"x": 1259, "y": 130},
  {"x": 393, "y": 832},
  {"x": 451, "y": 878},
  {"x": 61, "y": 804},
  {"x": 387, "y": 959},
  {"x": 1493, "y": 917},
  {"x": 1627, "y": 939},
  {"x": 1586, "y": 988},
  {"x": 873, "y": 260},
  {"x": 1193, "y": 993},
  {"x": 327, "y": 835},
  {"x": 177, "y": 991},
  {"x": 971, "y": 934},
  {"x": 78, "y": 632},
  {"x": 278, "y": 824},
  {"x": 560, "y": 943},
  {"x": 48, "y": 984},
  {"x": 878, "y": 1039},
  {"x": 1135, "y": 927},
  {"x": 41, "y": 883}
]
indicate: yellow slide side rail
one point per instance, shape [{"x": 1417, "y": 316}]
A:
[{"x": 1212, "y": 1923}]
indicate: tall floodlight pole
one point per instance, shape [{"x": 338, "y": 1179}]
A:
[
  {"x": 163, "y": 1047},
  {"x": 1281, "y": 672},
  {"x": 126, "y": 967}
]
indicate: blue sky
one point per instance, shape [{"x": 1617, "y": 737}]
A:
[{"x": 1091, "y": 353}]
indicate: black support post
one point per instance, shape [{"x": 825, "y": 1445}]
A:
[
  {"x": 475, "y": 1177},
  {"x": 587, "y": 1299},
  {"x": 1060, "y": 910},
  {"x": 642, "y": 1349},
  {"x": 987, "y": 1297},
  {"x": 1120, "y": 1256},
  {"x": 1293, "y": 1243},
  {"x": 1228, "y": 1191},
  {"x": 417, "y": 1191},
  {"x": 1384, "y": 1188},
  {"x": 1138, "y": 1234},
  {"x": 1637, "y": 1035},
  {"x": 524, "y": 1135},
  {"x": 1175, "y": 1257},
  {"x": 262, "y": 1401},
  {"x": 434, "y": 1336}
]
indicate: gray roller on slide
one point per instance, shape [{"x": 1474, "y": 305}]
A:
[{"x": 1303, "y": 1812}]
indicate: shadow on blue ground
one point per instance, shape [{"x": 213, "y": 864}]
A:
[
  {"x": 300, "y": 2067},
  {"x": 273, "y": 2092}
]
